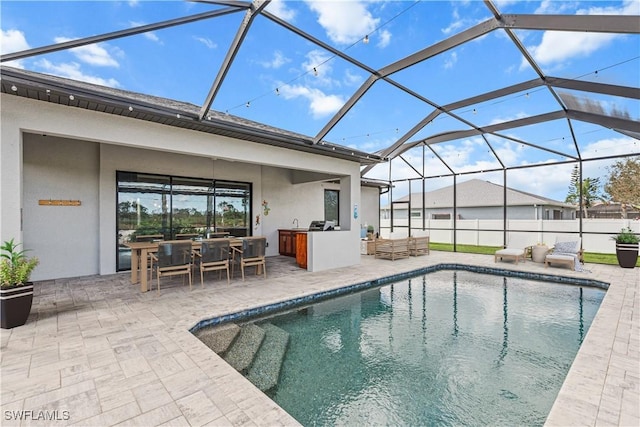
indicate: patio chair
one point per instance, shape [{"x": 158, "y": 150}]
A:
[
  {"x": 393, "y": 248},
  {"x": 186, "y": 236},
  {"x": 252, "y": 254},
  {"x": 213, "y": 256},
  {"x": 173, "y": 258},
  {"x": 419, "y": 243},
  {"x": 566, "y": 251},
  {"x": 518, "y": 248},
  {"x": 149, "y": 237}
]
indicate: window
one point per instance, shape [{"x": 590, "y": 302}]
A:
[
  {"x": 332, "y": 206},
  {"x": 416, "y": 213},
  {"x": 166, "y": 205},
  {"x": 441, "y": 216}
]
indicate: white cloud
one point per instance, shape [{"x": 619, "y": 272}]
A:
[
  {"x": 206, "y": 41},
  {"x": 93, "y": 54},
  {"x": 13, "y": 41},
  {"x": 72, "y": 70},
  {"x": 450, "y": 62},
  {"x": 517, "y": 116},
  {"x": 385, "y": 38},
  {"x": 318, "y": 64},
  {"x": 610, "y": 147},
  {"x": 351, "y": 79},
  {"x": 345, "y": 22},
  {"x": 280, "y": 9},
  {"x": 557, "y": 47},
  {"x": 554, "y": 7},
  {"x": 278, "y": 60},
  {"x": 455, "y": 25},
  {"x": 320, "y": 104}
]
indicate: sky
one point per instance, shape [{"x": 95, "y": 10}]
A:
[{"x": 283, "y": 80}]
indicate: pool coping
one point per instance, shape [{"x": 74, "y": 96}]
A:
[{"x": 276, "y": 307}]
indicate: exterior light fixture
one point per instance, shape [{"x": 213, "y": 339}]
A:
[
  {"x": 474, "y": 111},
  {"x": 130, "y": 108},
  {"x": 71, "y": 97},
  {"x": 366, "y": 39},
  {"x": 277, "y": 91},
  {"x": 14, "y": 88},
  {"x": 178, "y": 115},
  {"x": 315, "y": 72},
  {"x": 248, "y": 104}
]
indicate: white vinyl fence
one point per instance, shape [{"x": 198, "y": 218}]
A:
[{"x": 596, "y": 233}]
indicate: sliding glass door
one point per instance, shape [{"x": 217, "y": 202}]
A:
[{"x": 168, "y": 207}]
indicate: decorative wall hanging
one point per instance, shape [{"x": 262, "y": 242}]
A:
[
  {"x": 51, "y": 202},
  {"x": 265, "y": 207}
]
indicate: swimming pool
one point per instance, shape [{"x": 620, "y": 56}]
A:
[{"x": 447, "y": 348}]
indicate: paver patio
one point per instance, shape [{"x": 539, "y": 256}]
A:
[{"x": 96, "y": 351}]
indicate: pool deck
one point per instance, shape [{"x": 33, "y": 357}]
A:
[{"x": 97, "y": 352}]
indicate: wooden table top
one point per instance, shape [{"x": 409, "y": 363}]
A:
[{"x": 236, "y": 241}]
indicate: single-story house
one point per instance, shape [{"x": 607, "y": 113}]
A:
[
  {"x": 612, "y": 210},
  {"x": 82, "y": 167},
  {"x": 478, "y": 199}
]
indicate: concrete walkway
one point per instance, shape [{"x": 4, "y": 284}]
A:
[{"x": 96, "y": 351}]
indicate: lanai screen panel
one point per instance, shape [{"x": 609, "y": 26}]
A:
[
  {"x": 381, "y": 116},
  {"x": 467, "y": 155},
  {"x": 596, "y": 141}
]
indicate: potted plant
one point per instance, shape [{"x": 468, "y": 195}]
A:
[
  {"x": 626, "y": 248},
  {"x": 16, "y": 292},
  {"x": 370, "y": 230}
]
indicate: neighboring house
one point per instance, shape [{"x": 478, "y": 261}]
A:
[
  {"x": 478, "y": 199},
  {"x": 612, "y": 211},
  {"x": 84, "y": 166}
]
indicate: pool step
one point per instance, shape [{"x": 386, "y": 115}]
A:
[
  {"x": 265, "y": 370},
  {"x": 245, "y": 347},
  {"x": 220, "y": 338},
  {"x": 257, "y": 352}
]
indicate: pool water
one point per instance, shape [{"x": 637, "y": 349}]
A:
[{"x": 448, "y": 348}]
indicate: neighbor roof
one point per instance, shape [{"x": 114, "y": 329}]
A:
[{"x": 478, "y": 193}]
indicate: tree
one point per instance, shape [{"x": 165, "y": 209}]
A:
[
  {"x": 623, "y": 183},
  {"x": 590, "y": 191}
]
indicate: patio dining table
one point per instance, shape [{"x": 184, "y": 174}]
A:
[{"x": 141, "y": 250}]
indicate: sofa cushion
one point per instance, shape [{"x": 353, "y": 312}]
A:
[{"x": 565, "y": 248}]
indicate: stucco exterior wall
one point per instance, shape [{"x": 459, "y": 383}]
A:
[
  {"x": 370, "y": 207},
  {"x": 77, "y": 153},
  {"x": 66, "y": 239}
]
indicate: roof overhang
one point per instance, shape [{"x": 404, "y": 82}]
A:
[{"x": 76, "y": 94}]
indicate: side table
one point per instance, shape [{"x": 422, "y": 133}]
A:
[{"x": 539, "y": 252}]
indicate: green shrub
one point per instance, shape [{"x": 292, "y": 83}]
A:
[
  {"x": 15, "y": 266},
  {"x": 626, "y": 236}
]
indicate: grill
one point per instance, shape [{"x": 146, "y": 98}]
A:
[{"x": 321, "y": 226}]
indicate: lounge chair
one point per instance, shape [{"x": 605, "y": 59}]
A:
[
  {"x": 517, "y": 249},
  {"x": 567, "y": 252}
]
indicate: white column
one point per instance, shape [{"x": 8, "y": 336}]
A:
[{"x": 10, "y": 178}]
